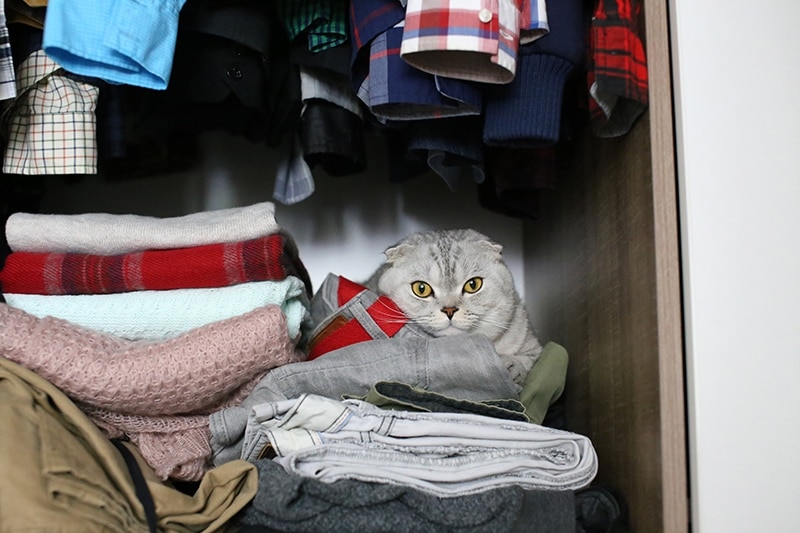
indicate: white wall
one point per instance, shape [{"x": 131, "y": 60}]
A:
[
  {"x": 342, "y": 228},
  {"x": 738, "y": 138}
]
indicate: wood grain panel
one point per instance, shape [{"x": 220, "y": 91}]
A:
[
  {"x": 592, "y": 285},
  {"x": 674, "y": 455},
  {"x": 603, "y": 279}
]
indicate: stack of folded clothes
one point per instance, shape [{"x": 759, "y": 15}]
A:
[
  {"x": 147, "y": 278},
  {"x": 196, "y": 345},
  {"x": 151, "y": 324},
  {"x": 386, "y": 428}
]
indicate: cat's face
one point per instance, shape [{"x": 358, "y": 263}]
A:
[{"x": 449, "y": 282}]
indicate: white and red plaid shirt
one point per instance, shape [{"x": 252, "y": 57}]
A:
[{"x": 470, "y": 39}]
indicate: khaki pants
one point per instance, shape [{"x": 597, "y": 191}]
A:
[{"x": 60, "y": 473}]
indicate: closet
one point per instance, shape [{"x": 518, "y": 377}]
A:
[{"x": 599, "y": 269}]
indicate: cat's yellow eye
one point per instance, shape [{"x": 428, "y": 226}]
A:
[
  {"x": 421, "y": 289},
  {"x": 473, "y": 285}
]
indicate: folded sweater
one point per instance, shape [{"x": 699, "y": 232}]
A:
[
  {"x": 158, "y": 394},
  {"x": 185, "y": 374},
  {"x": 108, "y": 234},
  {"x": 157, "y": 315},
  {"x": 288, "y": 502},
  {"x": 272, "y": 257}
]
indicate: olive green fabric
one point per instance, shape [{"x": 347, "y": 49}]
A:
[
  {"x": 61, "y": 474},
  {"x": 545, "y": 382}
]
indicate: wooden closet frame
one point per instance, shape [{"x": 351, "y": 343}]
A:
[{"x": 603, "y": 279}]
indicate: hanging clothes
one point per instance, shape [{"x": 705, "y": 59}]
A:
[
  {"x": 617, "y": 73},
  {"x": 120, "y": 42}
]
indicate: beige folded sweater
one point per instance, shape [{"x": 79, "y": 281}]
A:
[{"x": 109, "y": 234}]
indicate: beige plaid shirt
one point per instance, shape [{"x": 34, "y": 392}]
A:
[{"x": 51, "y": 126}]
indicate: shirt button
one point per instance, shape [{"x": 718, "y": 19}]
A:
[
  {"x": 234, "y": 73},
  {"x": 484, "y": 15}
]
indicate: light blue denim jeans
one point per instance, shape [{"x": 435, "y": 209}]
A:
[
  {"x": 446, "y": 454},
  {"x": 462, "y": 367}
]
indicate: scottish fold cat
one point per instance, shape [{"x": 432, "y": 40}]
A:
[{"x": 456, "y": 281}]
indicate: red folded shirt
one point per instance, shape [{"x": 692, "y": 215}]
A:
[{"x": 272, "y": 257}]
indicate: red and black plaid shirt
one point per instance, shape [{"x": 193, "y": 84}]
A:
[{"x": 617, "y": 75}]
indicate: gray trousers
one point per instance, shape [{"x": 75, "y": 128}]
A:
[
  {"x": 462, "y": 366},
  {"x": 444, "y": 454}
]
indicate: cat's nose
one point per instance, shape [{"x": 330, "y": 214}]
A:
[{"x": 449, "y": 311}]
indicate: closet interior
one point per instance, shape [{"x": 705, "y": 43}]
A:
[
  {"x": 598, "y": 267},
  {"x": 606, "y": 254}
]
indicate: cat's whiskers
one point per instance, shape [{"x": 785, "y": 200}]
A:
[
  {"x": 390, "y": 314},
  {"x": 499, "y": 324}
]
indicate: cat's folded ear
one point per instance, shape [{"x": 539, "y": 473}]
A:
[
  {"x": 491, "y": 246},
  {"x": 482, "y": 240},
  {"x": 396, "y": 252}
]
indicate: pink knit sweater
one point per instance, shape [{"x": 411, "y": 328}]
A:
[{"x": 157, "y": 388}]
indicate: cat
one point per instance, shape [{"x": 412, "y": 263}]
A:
[{"x": 456, "y": 281}]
